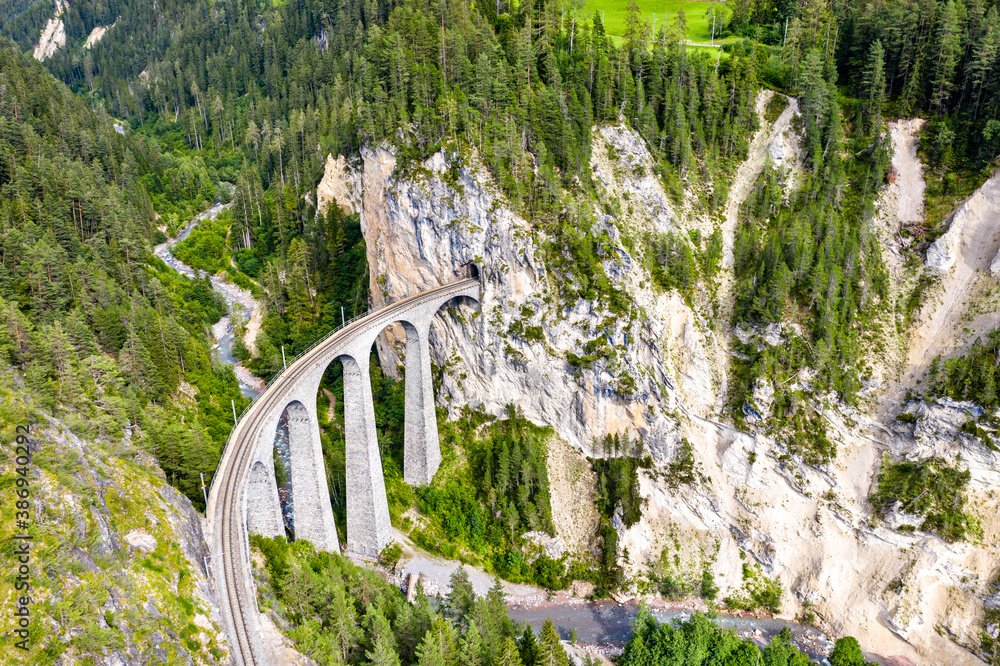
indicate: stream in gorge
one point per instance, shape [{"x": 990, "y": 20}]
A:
[
  {"x": 241, "y": 307},
  {"x": 240, "y": 303},
  {"x": 605, "y": 626},
  {"x": 601, "y": 626}
]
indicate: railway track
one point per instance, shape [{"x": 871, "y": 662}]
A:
[{"x": 230, "y": 568}]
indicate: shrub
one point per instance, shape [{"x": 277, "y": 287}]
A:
[
  {"x": 758, "y": 591},
  {"x": 930, "y": 488}
]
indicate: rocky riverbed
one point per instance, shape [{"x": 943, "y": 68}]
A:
[
  {"x": 602, "y": 628},
  {"x": 240, "y": 302}
]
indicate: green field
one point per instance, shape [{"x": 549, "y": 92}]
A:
[{"x": 698, "y": 15}]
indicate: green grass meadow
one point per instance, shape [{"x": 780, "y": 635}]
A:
[{"x": 698, "y": 15}]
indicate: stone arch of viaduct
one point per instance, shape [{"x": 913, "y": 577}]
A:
[{"x": 368, "y": 527}]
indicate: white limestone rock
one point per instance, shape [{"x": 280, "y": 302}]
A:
[
  {"x": 96, "y": 35},
  {"x": 53, "y": 35},
  {"x": 810, "y": 527},
  {"x": 420, "y": 232},
  {"x": 971, "y": 229},
  {"x": 772, "y": 335},
  {"x": 341, "y": 183},
  {"x": 763, "y": 397},
  {"x": 141, "y": 540},
  {"x": 897, "y": 518},
  {"x": 776, "y": 151},
  {"x": 995, "y": 267},
  {"x": 942, "y": 253},
  {"x": 554, "y": 547}
]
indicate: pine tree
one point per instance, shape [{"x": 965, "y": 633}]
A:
[
  {"x": 636, "y": 653},
  {"x": 949, "y": 50},
  {"x": 384, "y": 650},
  {"x": 461, "y": 597},
  {"x": 509, "y": 654},
  {"x": 550, "y": 650},
  {"x": 438, "y": 647},
  {"x": 814, "y": 99},
  {"x": 633, "y": 27},
  {"x": 873, "y": 90},
  {"x": 528, "y": 646},
  {"x": 342, "y": 620},
  {"x": 985, "y": 61},
  {"x": 471, "y": 648}
]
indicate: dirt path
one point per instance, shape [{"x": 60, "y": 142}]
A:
[
  {"x": 746, "y": 174},
  {"x": 949, "y": 319},
  {"x": 436, "y": 571},
  {"x": 909, "y": 171},
  {"x": 739, "y": 190}
]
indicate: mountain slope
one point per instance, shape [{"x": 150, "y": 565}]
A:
[{"x": 117, "y": 556}]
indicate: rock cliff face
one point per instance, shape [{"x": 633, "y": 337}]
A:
[
  {"x": 340, "y": 184},
  {"x": 972, "y": 231},
  {"x": 419, "y": 232},
  {"x": 908, "y": 594},
  {"x": 118, "y": 558},
  {"x": 53, "y": 35}
]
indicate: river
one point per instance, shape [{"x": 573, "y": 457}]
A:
[
  {"x": 602, "y": 627},
  {"x": 240, "y": 303},
  {"x": 605, "y": 626}
]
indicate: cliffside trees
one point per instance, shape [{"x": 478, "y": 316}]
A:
[
  {"x": 344, "y": 614},
  {"x": 873, "y": 91},
  {"x": 930, "y": 489},
  {"x": 971, "y": 376},
  {"x": 948, "y": 49},
  {"x": 480, "y": 513},
  {"x": 101, "y": 331}
]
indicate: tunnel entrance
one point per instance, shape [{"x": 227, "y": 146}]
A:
[{"x": 469, "y": 270}]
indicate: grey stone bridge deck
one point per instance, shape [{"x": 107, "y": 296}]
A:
[{"x": 244, "y": 494}]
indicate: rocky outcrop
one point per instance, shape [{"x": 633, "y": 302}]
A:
[
  {"x": 96, "y": 35},
  {"x": 515, "y": 350},
  {"x": 971, "y": 235},
  {"x": 909, "y": 594},
  {"x": 53, "y": 35},
  {"x": 341, "y": 185}
]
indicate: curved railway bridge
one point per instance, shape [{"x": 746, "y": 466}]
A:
[{"x": 244, "y": 495}]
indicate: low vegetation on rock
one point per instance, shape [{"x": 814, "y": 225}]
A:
[{"x": 931, "y": 489}]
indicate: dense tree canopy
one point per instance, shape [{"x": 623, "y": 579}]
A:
[{"x": 97, "y": 326}]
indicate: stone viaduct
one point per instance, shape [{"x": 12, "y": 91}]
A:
[
  {"x": 244, "y": 495},
  {"x": 368, "y": 528}
]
